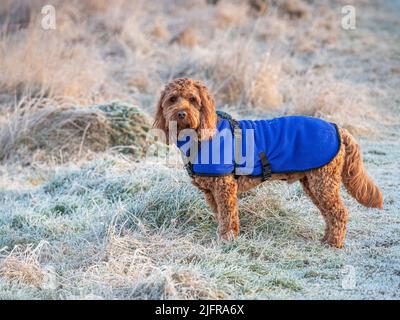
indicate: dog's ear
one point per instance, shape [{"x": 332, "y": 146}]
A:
[
  {"x": 159, "y": 120},
  {"x": 208, "y": 118}
]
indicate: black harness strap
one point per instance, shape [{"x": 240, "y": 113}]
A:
[
  {"x": 189, "y": 169},
  {"x": 266, "y": 167}
]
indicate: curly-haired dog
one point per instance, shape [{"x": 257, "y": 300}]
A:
[{"x": 188, "y": 103}]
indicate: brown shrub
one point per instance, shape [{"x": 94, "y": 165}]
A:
[
  {"x": 258, "y": 7},
  {"x": 230, "y": 15},
  {"x": 187, "y": 38},
  {"x": 264, "y": 90},
  {"x": 295, "y": 8},
  {"x": 159, "y": 30},
  {"x": 239, "y": 74},
  {"x": 15, "y": 269},
  {"x": 23, "y": 264}
]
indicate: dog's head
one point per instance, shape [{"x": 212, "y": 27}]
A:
[{"x": 190, "y": 105}]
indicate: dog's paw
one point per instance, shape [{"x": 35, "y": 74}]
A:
[
  {"x": 333, "y": 242},
  {"x": 226, "y": 237}
]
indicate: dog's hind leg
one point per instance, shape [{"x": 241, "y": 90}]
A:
[
  {"x": 324, "y": 185},
  {"x": 307, "y": 191},
  {"x": 306, "y": 187},
  {"x": 305, "y": 184},
  {"x": 225, "y": 195}
]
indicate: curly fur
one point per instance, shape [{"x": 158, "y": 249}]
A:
[{"x": 322, "y": 185}]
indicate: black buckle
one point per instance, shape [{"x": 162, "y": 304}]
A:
[{"x": 266, "y": 168}]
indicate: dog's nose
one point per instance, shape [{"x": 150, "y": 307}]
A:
[{"x": 181, "y": 114}]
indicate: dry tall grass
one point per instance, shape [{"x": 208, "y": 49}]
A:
[
  {"x": 101, "y": 51},
  {"x": 35, "y": 62}
]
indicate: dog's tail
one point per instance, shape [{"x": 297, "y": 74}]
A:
[{"x": 354, "y": 176}]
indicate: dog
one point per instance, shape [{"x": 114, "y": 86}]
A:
[{"x": 189, "y": 104}]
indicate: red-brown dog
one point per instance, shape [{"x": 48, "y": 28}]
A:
[{"x": 190, "y": 105}]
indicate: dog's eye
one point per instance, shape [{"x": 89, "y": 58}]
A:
[
  {"x": 173, "y": 99},
  {"x": 193, "y": 100}
]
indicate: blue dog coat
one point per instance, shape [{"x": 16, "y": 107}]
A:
[{"x": 261, "y": 147}]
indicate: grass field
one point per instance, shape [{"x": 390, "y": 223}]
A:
[{"x": 84, "y": 215}]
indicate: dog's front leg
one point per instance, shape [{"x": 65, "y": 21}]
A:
[
  {"x": 211, "y": 202},
  {"x": 225, "y": 195},
  {"x": 202, "y": 184}
]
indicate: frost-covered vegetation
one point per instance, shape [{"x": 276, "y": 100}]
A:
[{"x": 84, "y": 215}]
